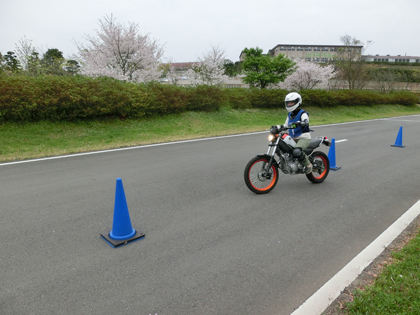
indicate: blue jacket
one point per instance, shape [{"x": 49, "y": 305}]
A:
[{"x": 296, "y": 132}]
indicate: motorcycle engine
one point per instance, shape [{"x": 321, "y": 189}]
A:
[{"x": 293, "y": 165}]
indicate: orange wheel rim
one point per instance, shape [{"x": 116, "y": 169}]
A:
[
  {"x": 325, "y": 170},
  {"x": 273, "y": 179}
]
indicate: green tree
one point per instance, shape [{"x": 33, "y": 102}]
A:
[
  {"x": 9, "y": 62},
  {"x": 53, "y": 61},
  {"x": 34, "y": 65},
  {"x": 261, "y": 70},
  {"x": 232, "y": 69},
  {"x": 2, "y": 65},
  {"x": 52, "y": 56},
  {"x": 71, "y": 67}
]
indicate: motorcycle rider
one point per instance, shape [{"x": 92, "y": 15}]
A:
[{"x": 298, "y": 121}]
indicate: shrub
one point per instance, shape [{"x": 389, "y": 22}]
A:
[
  {"x": 238, "y": 98},
  {"x": 206, "y": 98},
  {"x": 16, "y": 98},
  {"x": 69, "y": 98},
  {"x": 165, "y": 99},
  {"x": 323, "y": 98},
  {"x": 402, "y": 98},
  {"x": 265, "y": 98}
]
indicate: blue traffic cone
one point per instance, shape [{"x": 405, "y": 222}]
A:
[
  {"x": 122, "y": 231},
  {"x": 398, "y": 141},
  {"x": 331, "y": 156}
]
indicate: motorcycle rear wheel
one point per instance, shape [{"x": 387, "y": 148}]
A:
[
  {"x": 321, "y": 167},
  {"x": 256, "y": 178}
]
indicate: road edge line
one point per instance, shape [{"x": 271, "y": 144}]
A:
[{"x": 322, "y": 299}]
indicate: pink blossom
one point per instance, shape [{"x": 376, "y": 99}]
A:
[
  {"x": 308, "y": 75},
  {"x": 120, "y": 52}
]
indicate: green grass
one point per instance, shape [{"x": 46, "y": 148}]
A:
[
  {"x": 396, "y": 290},
  {"x": 20, "y": 141}
]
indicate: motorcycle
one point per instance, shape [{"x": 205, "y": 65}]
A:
[{"x": 262, "y": 172}]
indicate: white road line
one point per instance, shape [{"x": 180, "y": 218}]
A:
[
  {"x": 127, "y": 148},
  {"x": 402, "y": 120},
  {"x": 342, "y": 140},
  {"x": 176, "y": 142},
  {"x": 366, "y": 121},
  {"x": 322, "y": 298},
  {"x": 131, "y": 148}
]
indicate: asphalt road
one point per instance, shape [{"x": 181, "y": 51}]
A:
[{"x": 211, "y": 245}]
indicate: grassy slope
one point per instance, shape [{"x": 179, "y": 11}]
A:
[{"x": 30, "y": 140}]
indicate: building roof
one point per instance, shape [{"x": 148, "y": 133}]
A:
[
  {"x": 391, "y": 56},
  {"x": 182, "y": 64},
  {"x": 300, "y": 45}
]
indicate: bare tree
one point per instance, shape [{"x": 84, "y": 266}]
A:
[
  {"x": 25, "y": 52},
  {"x": 120, "y": 52},
  {"x": 350, "y": 67},
  {"x": 384, "y": 79},
  {"x": 209, "y": 68}
]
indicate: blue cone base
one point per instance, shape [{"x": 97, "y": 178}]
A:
[
  {"x": 334, "y": 168},
  {"x": 124, "y": 237},
  {"x": 398, "y": 146},
  {"x": 117, "y": 243}
]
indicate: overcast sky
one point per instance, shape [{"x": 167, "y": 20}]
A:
[{"x": 187, "y": 28}]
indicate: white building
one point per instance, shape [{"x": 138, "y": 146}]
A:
[{"x": 389, "y": 58}]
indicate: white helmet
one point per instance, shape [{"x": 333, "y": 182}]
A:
[{"x": 292, "y": 101}]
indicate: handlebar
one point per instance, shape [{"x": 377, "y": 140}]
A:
[
  {"x": 282, "y": 127},
  {"x": 276, "y": 130}
]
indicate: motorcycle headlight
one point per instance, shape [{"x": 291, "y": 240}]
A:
[{"x": 271, "y": 137}]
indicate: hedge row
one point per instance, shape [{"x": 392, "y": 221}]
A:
[
  {"x": 70, "y": 98},
  {"x": 322, "y": 98}
]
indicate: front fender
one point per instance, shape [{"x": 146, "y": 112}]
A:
[{"x": 264, "y": 155}]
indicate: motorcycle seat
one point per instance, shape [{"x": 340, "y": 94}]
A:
[{"x": 314, "y": 144}]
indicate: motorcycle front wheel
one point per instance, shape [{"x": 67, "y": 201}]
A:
[
  {"x": 321, "y": 167},
  {"x": 260, "y": 178}
]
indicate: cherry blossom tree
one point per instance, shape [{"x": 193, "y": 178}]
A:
[
  {"x": 308, "y": 75},
  {"x": 169, "y": 73},
  {"x": 209, "y": 68},
  {"x": 120, "y": 52},
  {"x": 172, "y": 75}
]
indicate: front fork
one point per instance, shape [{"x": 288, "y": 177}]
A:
[{"x": 265, "y": 172}]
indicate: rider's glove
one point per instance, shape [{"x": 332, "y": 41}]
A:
[{"x": 297, "y": 124}]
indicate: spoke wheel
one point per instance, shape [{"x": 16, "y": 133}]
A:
[
  {"x": 258, "y": 178},
  {"x": 321, "y": 167}
]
